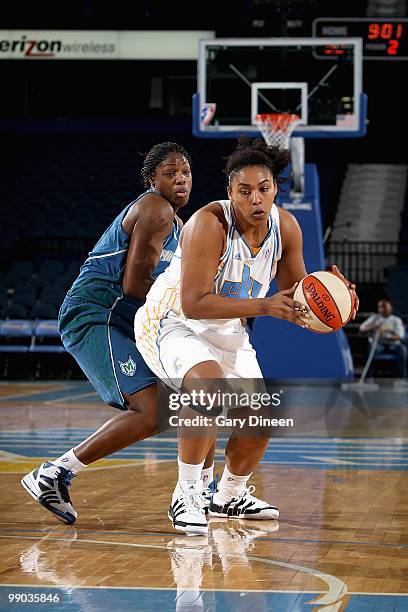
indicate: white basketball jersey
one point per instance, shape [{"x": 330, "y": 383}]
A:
[{"x": 241, "y": 274}]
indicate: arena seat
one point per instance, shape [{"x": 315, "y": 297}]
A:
[
  {"x": 14, "y": 311},
  {"x": 44, "y": 311},
  {"x": 46, "y": 337},
  {"x": 53, "y": 295},
  {"x": 15, "y": 335},
  {"x": 25, "y": 297}
]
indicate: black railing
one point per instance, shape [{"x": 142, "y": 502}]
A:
[{"x": 364, "y": 262}]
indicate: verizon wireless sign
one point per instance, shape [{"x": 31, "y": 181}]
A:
[{"x": 100, "y": 45}]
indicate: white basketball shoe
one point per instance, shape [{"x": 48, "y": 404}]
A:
[
  {"x": 48, "y": 485},
  {"x": 245, "y": 506},
  {"x": 186, "y": 510}
]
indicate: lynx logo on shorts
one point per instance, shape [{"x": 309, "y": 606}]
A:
[{"x": 128, "y": 368}]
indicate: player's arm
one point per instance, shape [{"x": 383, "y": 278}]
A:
[
  {"x": 369, "y": 324},
  {"x": 153, "y": 223},
  {"x": 202, "y": 244},
  {"x": 291, "y": 267}
]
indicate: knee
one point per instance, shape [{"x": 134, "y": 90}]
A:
[
  {"x": 207, "y": 409},
  {"x": 147, "y": 412}
]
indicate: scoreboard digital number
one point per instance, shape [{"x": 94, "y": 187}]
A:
[{"x": 383, "y": 39}]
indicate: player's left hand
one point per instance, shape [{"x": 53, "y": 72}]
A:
[{"x": 351, "y": 287}]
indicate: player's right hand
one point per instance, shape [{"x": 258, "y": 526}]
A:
[{"x": 283, "y": 306}]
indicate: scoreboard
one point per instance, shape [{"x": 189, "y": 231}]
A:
[{"x": 383, "y": 39}]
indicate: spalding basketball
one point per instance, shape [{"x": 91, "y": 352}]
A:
[{"x": 329, "y": 301}]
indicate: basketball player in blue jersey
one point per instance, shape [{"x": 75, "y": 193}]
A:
[
  {"x": 189, "y": 329},
  {"x": 96, "y": 322}
]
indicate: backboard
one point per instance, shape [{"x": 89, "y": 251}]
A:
[{"x": 319, "y": 79}]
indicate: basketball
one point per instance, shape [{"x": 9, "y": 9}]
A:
[{"x": 328, "y": 299}]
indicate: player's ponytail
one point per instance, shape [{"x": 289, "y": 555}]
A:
[{"x": 254, "y": 152}]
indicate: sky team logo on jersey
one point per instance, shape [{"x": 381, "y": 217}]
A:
[
  {"x": 238, "y": 256},
  {"x": 128, "y": 368},
  {"x": 245, "y": 289}
]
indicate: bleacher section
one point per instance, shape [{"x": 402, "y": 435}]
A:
[
  {"x": 72, "y": 185},
  {"x": 372, "y": 198},
  {"x": 397, "y": 289}
]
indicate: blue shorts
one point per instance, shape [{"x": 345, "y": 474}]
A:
[{"x": 103, "y": 343}]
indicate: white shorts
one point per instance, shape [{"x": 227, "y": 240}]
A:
[{"x": 171, "y": 347}]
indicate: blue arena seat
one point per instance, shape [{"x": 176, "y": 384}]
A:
[
  {"x": 43, "y": 279},
  {"x": 52, "y": 267},
  {"x": 25, "y": 298},
  {"x": 46, "y": 337},
  {"x": 53, "y": 295},
  {"x": 14, "y": 311},
  {"x": 20, "y": 284},
  {"x": 44, "y": 311},
  {"x": 15, "y": 335},
  {"x": 22, "y": 270}
]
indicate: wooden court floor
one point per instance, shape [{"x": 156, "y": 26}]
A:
[{"x": 341, "y": 542}]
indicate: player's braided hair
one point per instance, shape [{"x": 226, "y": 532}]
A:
[
  {"x": 157, "y": 155},
  {"x": 254, "y": 152}
]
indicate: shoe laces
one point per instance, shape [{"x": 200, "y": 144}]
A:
[
  {"x": 192, "y": 498},
  {"x": 64, "y": 481},
  {"x": 247, "y": 492}
]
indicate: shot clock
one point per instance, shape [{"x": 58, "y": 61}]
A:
[{"x": 383, "y": 39}]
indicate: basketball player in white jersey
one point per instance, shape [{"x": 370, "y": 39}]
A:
[{"x": 189, "y": 330}]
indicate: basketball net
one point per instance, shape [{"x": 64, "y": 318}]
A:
[{"x": 277, "y": 129}]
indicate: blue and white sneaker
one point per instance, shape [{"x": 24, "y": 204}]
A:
[
  {"x": 48, "y": 485},
  {"x": 208, "y": 492},
  {"x": 245, "y": 506}
]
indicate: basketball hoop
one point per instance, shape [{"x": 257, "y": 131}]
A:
[{"x": 277, "y": 128}]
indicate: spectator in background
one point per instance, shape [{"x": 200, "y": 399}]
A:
[{"x": 391, "y": 336}]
